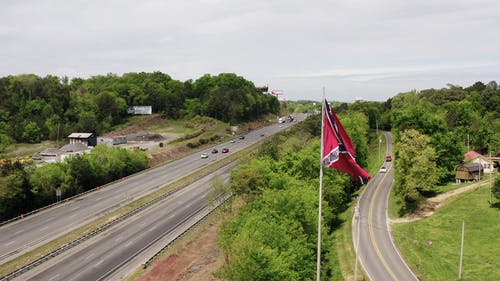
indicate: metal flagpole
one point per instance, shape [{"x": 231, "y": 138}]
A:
[{"x": 320, "y": 193}]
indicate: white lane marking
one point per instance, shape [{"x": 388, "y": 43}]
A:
[
  {"x": 73, "y": 215},
  {"x": 98, "y": 263},
  {"x": 54, "y": 277},
  {"x": 10, "y": 243},
  {"x": 89, "y": 256},
  {"x": 119, "y": 238},
  {"x": 43, "y": 228}
]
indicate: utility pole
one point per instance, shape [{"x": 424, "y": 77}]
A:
[
  {"x": 491, "y": 181},
  {"x": 468, "y": 143},
  {"x": 379, "y": 140},
  {"x": 358, "y": 220},
  {"x": 461, "y": 252}
]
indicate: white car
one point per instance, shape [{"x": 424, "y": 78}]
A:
[
  {"x": 204, "y": 155},
  {"x": 383, "y": 170}
]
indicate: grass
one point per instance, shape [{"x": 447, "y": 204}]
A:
[
  {"x": 440, "y": 261},
  {"x": 25, "y": 149}
]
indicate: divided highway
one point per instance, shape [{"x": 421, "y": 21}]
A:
[
  {"x": 376, "y": 250},
  {"x": 110, "y": 252},
  {"x": 26, "y": 234}
]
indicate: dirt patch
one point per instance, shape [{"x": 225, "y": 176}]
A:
[
  {"x": 432, "y": 204},
  {"x": 196, "y": 261}
]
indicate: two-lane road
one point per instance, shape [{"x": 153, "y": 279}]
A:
[{"x": 376, "y": 250}]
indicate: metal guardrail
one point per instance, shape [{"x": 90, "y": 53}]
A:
[
  {"x": 162, "y": 250},
  {"x": 96, "y": 231}
]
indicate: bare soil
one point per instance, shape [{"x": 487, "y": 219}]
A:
[
  {"x": 432, "y": 204},
  {"x": 196, "y": 261}
]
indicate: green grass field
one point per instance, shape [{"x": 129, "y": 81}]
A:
[{"x": 440, "y": 261}]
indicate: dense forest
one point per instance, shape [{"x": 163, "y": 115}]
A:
[
  {"x": 274, "y": 236},
  {"x": 34, "y": 108}
]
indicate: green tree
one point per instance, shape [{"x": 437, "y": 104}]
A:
[
  {"x": 31, "y": 132},
  {"x": 415, "y": 168},
  {"x": 496, "y": 188}
]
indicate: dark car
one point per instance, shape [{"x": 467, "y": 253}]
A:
[
  {"x": 388, "y": 158},
  {"x": 225, "y": 150},
  {"x": 214, "y": 151}
]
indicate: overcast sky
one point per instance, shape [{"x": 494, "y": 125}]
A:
[{"x": 367, "y": 49}]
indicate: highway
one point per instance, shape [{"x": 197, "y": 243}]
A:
[
  {"x": 376, "y": 250},
  {"x": 21, "y": 236},
  {"x": 109, "y": 252}
]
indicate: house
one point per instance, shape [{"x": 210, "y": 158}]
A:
[
  {"x": 475, "y": 157},
  {"x": 140, "y": 110},
  {"x": 111, "y": 140},
  {"x": 468, "y": 172},
  {"x": 89, "y": 139}
]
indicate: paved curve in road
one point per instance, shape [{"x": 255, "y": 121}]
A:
[
  {"x": 110, "y": 251},
  {"x": 24, "y": 235},
  {"x": 376, "y": 250}
]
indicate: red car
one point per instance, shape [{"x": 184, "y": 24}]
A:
[
  {"x": 225, "y": 150},
  {"x": 388, "y": 158}
]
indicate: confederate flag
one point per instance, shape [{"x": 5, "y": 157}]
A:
[{"x": 338, "y": 150}]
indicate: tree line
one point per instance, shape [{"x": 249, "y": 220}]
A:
[
  {"x": 26, "y": 188},
  {"x": 33, "y": 108},
  {"x": 432, "y": 129}
]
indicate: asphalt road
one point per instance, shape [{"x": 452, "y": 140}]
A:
[
  {"x": 24, "y": 235},
  {"x": 107, "y": 253},
  {"x": 376, "y": 250}
]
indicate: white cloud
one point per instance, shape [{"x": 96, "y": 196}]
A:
[{"x": 373, "y": 49}]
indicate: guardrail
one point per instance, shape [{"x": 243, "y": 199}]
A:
[
  {"x": 157, "y": 254},
  {"x": 96, "y": 231}
]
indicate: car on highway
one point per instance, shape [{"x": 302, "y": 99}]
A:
[
  {"x": 225, "y": 150},
  {"x": 388, "y": 158},
  {"x": 232, "y": 141},
  {"x": 204, "y": 155},
  {"x": 383, "y": 170},
  {"x": 214, "y": 151},
  {"x": 241, "y": 137}
]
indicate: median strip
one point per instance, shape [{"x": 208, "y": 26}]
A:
[{"x": 41, "y": 254}]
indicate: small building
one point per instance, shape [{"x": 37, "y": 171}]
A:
[
  {"x": 468, "y": 172},
  {"x": 475, "y": 157},
  {"x": 140, "y": 110},
  {"x": 111, "y": 140},
  {"x": 89, "y": 139},
  {"x": 73, "y": 149}
]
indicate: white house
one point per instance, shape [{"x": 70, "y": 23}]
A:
[{"x": 475, "y": 157}]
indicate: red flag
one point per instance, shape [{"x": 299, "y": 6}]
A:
[{"x": 338, "y": 150}]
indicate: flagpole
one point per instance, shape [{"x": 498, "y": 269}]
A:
[{"x": 320, "y": 193}]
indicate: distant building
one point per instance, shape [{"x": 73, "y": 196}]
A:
[
  {"x": 73, "y": 149},
  {"x": 475, "y": 157},
  {"x": 89, "y": 139},
  {"x": 140, "y": 110},
  {"x": 111, "y": 140},
  {"x": 468, "y": 172}
]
